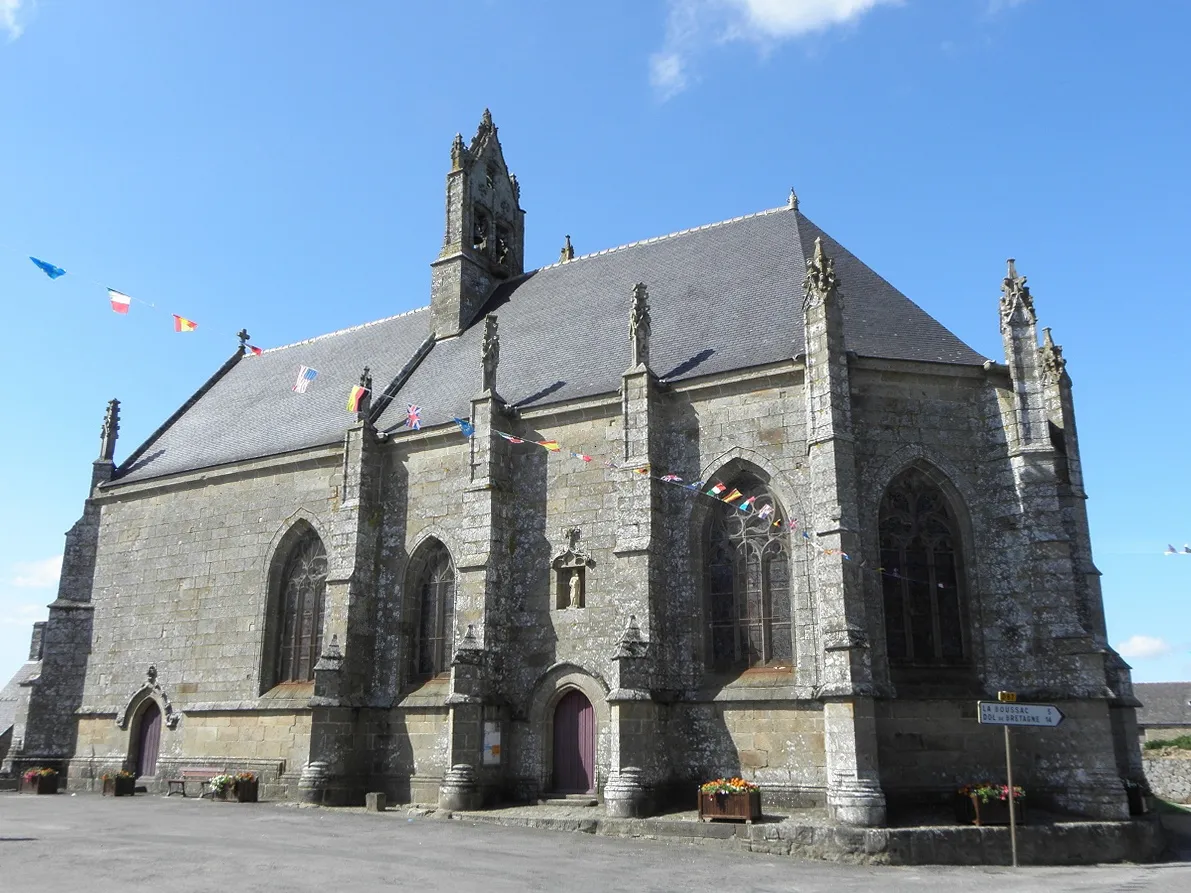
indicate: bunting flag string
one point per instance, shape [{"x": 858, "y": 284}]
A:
[{"x": 1171, "y": 550}]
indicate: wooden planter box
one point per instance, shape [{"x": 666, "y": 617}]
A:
[
  {"x": 246, "y": 791},
  {"x": 745, "y": 807},
  {"x": 42, "y": 784},
  {"x": 970, "y": 811},
  {"x": 119, "y": 786}
]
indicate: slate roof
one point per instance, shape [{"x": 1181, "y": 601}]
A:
[
  {"x": 10, "y": 694},
  {"x": 1163, "y": 703},
  {"x": 723, "y": 297}
]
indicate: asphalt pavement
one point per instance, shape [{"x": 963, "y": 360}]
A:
[{"x": 92, "y": 844}]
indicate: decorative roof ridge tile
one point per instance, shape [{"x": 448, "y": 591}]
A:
[
  {"x": 653, "y": 239},
  {"x": 375, "y": 322}
]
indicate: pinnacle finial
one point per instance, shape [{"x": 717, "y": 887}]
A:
[
  {"x": 490, "y": 351},
  {"x": 820, "y": 283},
  {"x": 640, "y": 326},
  {"x": 457, "y": 152},
  {"x": 793, "y": 200},
  {"x": 567, "y": 253},
  {"x": 1015, "y": 295},
  {"x": 486, "y": 120},
  {"x": 109, "y": 431},
  {"x": 1053, "y": 361}
]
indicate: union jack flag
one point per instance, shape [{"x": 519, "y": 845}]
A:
[
  {"x": 413, "y": 417},
  {"x": 672, "y": 478}
]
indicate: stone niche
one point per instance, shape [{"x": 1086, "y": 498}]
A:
[{"x": 571, "y": 565}]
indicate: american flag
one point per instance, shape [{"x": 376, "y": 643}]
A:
[
  {"x": 413, "y": 416},
  {"x": 305, "y": 376}
]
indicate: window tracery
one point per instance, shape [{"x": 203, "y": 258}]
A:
[
  {"x": 747, "y": 585},
  {"x": 434, "y": 626},
  {"x": 922, "y": 574},
  {"x": 300, "y": 610}
]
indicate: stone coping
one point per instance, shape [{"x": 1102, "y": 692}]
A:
[{"x": 810, "y": 834}]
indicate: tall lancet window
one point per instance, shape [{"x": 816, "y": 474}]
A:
[
  {"x": 433, "y": 626},
  {"x": 300, "y": 610},
  {"x": 922, "y": 577},
  {"x": 747, "y": 583}
]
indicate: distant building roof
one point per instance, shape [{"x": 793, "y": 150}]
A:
[
  {"x": 11, "y": 693},
  {"x": 1163, "y": 703},
  {"x": 724, "y": 297}
]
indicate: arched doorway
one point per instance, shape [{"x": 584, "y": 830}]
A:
[
  {"x": 574, "y": 745},
  {"x": 148, "y": 739}
]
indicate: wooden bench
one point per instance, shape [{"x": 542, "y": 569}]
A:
[{"x": 201, "y": 774}]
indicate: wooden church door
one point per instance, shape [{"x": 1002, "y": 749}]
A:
[
  {"x": 574, "y": 745},
  {"x": 148, "y": 740}
]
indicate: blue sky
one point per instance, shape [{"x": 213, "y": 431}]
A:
[{"x": 280, "y": 165}]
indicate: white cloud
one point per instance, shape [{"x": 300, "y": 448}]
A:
[
  {"x": 37, "y": 574},
  {"x": 8, "y": 18},
  {"x": 692, "y": 25},
  {"x": 996, "y": 6},
  {"x": 1142, "y": 647},
  {"x": 22, "y": 615}
]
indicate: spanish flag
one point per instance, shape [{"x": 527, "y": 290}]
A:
[
  {"x": 353, "y": 401},
  {"x": 552, "y": 445},
  {"x": 733, "y": 496},
  {"x": 182, "y": 324}
]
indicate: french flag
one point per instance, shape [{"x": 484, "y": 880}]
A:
[{"x": 120, "y": 301}]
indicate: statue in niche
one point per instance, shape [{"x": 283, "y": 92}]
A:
[{"x": 570, "y": 567}]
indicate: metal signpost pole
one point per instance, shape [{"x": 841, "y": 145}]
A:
[{"x": 1012, "y": 808}]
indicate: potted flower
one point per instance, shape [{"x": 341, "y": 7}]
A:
[
  {"x": 222, "y": 786},
  {"x": 41, "y": 780},
  {"x": 729, "y": 798},
  {"x": 246, "y": 787},
  {"x": 119, "y": 784},
  {"x": 985, "y": 803}
]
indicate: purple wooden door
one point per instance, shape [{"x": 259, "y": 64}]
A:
[
  {"x": 574, "y": 745},
  {"x": 149, "y": 740}
]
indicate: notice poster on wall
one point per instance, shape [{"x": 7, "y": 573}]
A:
[{"x": 491, "y": 743}]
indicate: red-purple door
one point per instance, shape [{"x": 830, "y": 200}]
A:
[
  {"x": 148, "y": 740},
  {"x": 574, "y": 745}
]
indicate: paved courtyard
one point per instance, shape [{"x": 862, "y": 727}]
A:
[{"x": 95, "y": 845}]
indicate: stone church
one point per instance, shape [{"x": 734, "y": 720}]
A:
[{"x": 559, "y": 593}]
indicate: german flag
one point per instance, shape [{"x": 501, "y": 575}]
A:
[{"x": 357, "y": 396}]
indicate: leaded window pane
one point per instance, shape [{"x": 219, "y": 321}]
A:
[
  {"x": 434, "y": 627},
  {"x": 921, "y": 580},
  {"x": 302, "y": 594},
  {"x": 747, "y": 585}
]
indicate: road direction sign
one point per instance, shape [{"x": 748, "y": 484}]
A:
[{"x": 1001, "y": 714}]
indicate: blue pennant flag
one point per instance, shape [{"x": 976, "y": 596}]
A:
[
  {"x": 49, "y": 269},
  {"x": 465, "y": 426}
]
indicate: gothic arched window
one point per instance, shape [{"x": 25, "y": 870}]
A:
[
  {"x": 433, "y": 625},
  {"x": 921, "y": 575},
  {"x": 747, "y": 583},
  {"x": 299, "y": 636}
]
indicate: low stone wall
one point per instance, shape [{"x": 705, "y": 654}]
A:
[{"x": 1169, "y": 777}]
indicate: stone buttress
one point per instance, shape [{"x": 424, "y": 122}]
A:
[
  {"x": 854, "y": 792},
  {"x": 636, "y": 764}
]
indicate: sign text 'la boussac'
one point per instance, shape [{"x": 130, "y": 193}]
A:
[{"x": 1001, "y": 714}]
